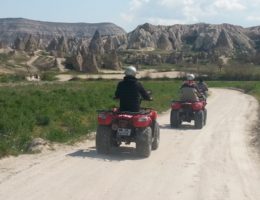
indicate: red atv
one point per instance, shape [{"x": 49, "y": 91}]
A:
[
  {"x": 186, "y": 111},
  {"x": 115, "y": 127}
]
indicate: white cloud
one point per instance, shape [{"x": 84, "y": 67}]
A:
[
  {"x": 191, "y": 11},
  {"x": 229, "y": 5},
  {"x": 253, "y": 18},
  {"x": 127, "y": 17},
  {"x": 137, "y": 4},
  {"x": 165, "y": 21},
  {"x": 134, "y": 7},
  {"x": 255, "y": 1},
  {"x": 169, "y": 12},
  {"x": 170, "y": 3}
]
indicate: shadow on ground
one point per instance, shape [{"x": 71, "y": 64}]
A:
[
  {"x": 116, "y": 154},
  {"x": 182, "y": 127}
]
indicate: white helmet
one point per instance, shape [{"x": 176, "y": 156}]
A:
[
  {"x": 130, "y": 71},
  {"x": 190, "y": 77}
]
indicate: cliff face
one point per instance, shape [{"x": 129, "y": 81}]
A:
[
  {"x": 198, "y": 37},
  {"x": 11, "y": 28}
]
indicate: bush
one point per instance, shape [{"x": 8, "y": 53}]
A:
[
  {"x": 42, "y": 120},
  {"x": 11, "y": 78},
  {"x": 48, "y": 76}
]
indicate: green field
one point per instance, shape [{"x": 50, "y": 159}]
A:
[
  {"x": 67, "y": 112},
  {"x": 62, "y": 112}
]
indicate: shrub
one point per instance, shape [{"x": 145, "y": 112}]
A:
[{"x": 42, "y": 120}]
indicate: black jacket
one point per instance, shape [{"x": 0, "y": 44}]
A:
[{"x": 130, "y": 91}]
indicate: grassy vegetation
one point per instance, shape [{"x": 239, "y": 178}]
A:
[
  {"x": 62, "y": 112},
  {"x": 44, "y": 63},
  {"x": 160, "y": 68},
  {"x": 231, "y": 72},
  {"x": 11, "y": 78},
  {"x": 8, "y": 58},
  {"x": 4, "y": 58},
  {"x": 49, "y": 76}
]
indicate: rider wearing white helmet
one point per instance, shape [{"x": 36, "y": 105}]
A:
[
  {"x": 189, "y": 90},
  {"x": 190, "y": 77},
  {"x": 130, "y": 91},
  {"x": 130, "y": 71}
]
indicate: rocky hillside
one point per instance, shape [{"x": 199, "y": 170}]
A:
[
  {"x": 90, "y": 47},
  {"x": 11, "y": 28},
  {"x": 198, "y": 37}
]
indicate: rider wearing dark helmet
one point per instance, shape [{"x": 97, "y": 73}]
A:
[
  {"x": 130, "y": 91},
  {"x": 202, "y": 86}
]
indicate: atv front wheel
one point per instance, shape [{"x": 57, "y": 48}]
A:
[
  {"x": 103, "y": 139},
  {"x": 144, "y": 142}
]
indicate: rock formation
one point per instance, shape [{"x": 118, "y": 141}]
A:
[
  {"x": 28, "y": 44},
  {"x": 199, "y": 37},
  {"x": 59, "y": 47},
  {"x": 1, "y": 45},
  {"x": 164, "y": 42},
  {"x": 31, "y": 44},
  {"x": 11, "y": 28},
  {"x": 90, "y": 63},
  {"x": 19, "y": 44},
  {"x": 111, "y": 61},
  {"x": 96, "y": 44}
]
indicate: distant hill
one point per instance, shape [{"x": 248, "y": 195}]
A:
[
  {"x": 198, "y": 37},
  {"x": 147, "y": 44},
  {"x": 11, "y": 28}
]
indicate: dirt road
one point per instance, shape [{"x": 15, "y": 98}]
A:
[{"x": 215, "y": 163}]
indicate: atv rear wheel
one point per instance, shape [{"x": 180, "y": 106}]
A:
[
  {"x": 205, "y": 116},
  {"x": 175, "y": 119},
  {"x": 103, "y": 139},
  {"x": 199, "y": 119},
  {"x": 156, "y": 136},
  {"x": 144, "y": 142}
]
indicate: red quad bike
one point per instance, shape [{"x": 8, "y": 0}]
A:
[
  {"x": 183, "y": 111},
  {"x": 115, "y": 127}
]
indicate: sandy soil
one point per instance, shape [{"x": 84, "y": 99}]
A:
[
  {"x": 29, "y": 63},
  {"x": 215, "y": 163},
  {"x": 60, "y": 65}
]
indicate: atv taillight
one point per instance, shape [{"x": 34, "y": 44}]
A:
[
  {"x": 141, "y": 121},
  {"x": 176, "y": 105},
  {"x": 104, "y": 118},
  {"x": 197, "y": 106},
  {"x": 153, "y": 115}
]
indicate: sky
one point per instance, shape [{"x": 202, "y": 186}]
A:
[{"x": 128, "y": 14}]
